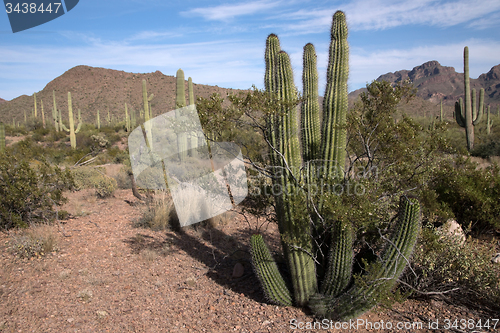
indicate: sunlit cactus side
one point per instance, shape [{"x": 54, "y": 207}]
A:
[
  {"x": 489, "y": 121},
  {"x": 180, "y": 102},
  {"x": 2, "y": 137},
  {"x": 466, "y": 114},
  {"x": 98, "y": 120},
  {"x": 55, "y": 114},
  {"x": 71, "y": 129}
]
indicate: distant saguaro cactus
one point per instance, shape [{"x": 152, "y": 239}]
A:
[
  {"x": 489, "y": 121},
  {"x": 466, "y": 114},
  {"x": 71, "y": 129}
]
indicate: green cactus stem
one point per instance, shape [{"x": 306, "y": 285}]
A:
[
  {"x": 466, "y": 114},
  {"x": 98, "y": 120},
  {"x": 267, "y": 272},
  {"x": 310, "y": 125},
  {"x": 147, "y": 115},
  {"x": 2, "y": 137}
]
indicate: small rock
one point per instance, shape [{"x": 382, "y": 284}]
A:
[
  {"x": 496, "y": 259},
  {"x": 70, "y": 320},
  {"x": 101, "y": 314},
  {"x": 238, "y": 270},
  {"x": 454, "y": 230}
]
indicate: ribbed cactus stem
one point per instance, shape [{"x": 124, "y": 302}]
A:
[
  {"x": 271, "y": 52},
  {"x": 2, "y": 137},
  {"x": 310, "y": 124},
  {"x": 267, "y": 272},
  {"x": 333, "y": 131}
]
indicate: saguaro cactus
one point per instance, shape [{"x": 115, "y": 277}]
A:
[
  {"x": 34, "y": 98},
  {"x": 193, "y": 137},
  {"x": 332, "y": 293},
  {"x": 71, "y": 129},
  {"x": 2, "y": 137},
  {"x": 147, "y": 115},
  {"x": 180, "y": 102},
  {"x": 466, "y": 114},
  {"x": 55, "y": 114},
  {"x": 489, "y": 121},
  {"x": 98, "y": 119}
]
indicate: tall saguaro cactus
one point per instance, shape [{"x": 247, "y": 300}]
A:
[
  {"x": 2, "y": 137},
  {"x": 466, "y": 114},
  {"x": 332, "y": 293},
  {"x": 71, "y": 129},
  {"x": 55, "y": 114},
  {"x": 489, "y": 121},
  {"x": 180, "y": 102},
  {"x": 147, "y": 115},
  {"x": 193, "y": 137}
]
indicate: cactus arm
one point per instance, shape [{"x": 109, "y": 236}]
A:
[
  {"x": 480, "y": 111},
  {"x": 335, "y": 102},
  {"x": 267, "y": 272},
  {"x": 310, "y": 124},
  {"x": 341, "y": 258},
  {"x": 459, "y": 106},
  {"x": 61, "y": 124},
  {"x": 79, "y": 122}
]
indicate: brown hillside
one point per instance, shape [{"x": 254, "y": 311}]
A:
[{"x": 102, "y": 89}]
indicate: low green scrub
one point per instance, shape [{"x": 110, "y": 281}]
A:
[
  {"x": 94, "y": 178},
  {"x": 30, "y": 190}
]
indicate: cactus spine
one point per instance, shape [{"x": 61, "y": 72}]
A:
[
  {"x": 466, "y": 114},
  {"x": 2, "y": 137},
  {"x": 71, "y": 129},
  {"x": 338, "y": 296},
  {"x": 180, "y": 102}
]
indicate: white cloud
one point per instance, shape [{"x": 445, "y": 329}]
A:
[{"x": 226, "y": 12}]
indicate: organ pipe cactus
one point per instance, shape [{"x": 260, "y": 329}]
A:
[
  {"x": 466, "y": 114},
  {"x": 71, "y": 129},
  {"x": 332, "y": 293}
]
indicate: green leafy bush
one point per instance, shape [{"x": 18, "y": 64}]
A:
[
  {"x": 94, "y": 178},
  {"x": 29, "y": 191}
]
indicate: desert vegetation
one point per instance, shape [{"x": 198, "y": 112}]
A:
[{"x": 360, "y": 192}]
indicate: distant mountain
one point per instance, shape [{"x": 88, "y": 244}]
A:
[
  {"x": 435, "y": 82},
  {"x": 2, "y": 100},
  {"x": 102, "y": 89}
]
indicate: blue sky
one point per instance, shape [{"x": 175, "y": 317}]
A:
[{"x": 222, "y": 42}]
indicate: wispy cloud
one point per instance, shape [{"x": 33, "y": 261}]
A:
[
  {"x": 150, "y": 35},
  {"x": 226, "y": 12},
  {"x": 384, "y": 14}
]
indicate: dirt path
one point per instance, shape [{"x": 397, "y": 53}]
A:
[{"x": 110, "y": 277}]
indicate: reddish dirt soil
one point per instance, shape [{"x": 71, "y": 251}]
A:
[{"x": 108, "y": 276}]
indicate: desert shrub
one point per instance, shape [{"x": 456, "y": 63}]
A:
[
  {"x": 470, "y": 194},
  {"x": 36, "y": 241},
  {"x": 487, "y": 149},
  {"x": 105, "y": 186},
  {"x": 94, "y": 178},
  {"x": 123, "y": 180},
  {"x": 29, "y": 192},
  {"x": 40, "y": 133},
  {"x": 441, "y": 263}
]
